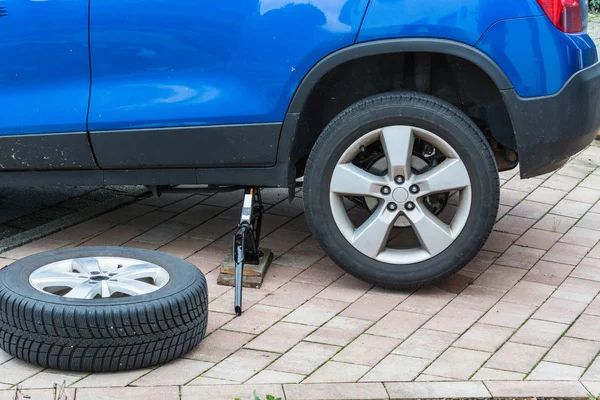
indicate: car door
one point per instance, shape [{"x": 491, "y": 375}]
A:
[
  {"x": 178, "y": 83},
  {"x": 44, "y": 85}
]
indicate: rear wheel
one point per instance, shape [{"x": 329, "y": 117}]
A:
[{"x": 401, "y": 189}]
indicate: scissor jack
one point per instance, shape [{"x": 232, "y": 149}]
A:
[{"x": 247, "y": 239}]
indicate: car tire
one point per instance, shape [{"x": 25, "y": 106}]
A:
[
  {"x": 157, "y": 319},
  {"x": 331, "y": 170}
]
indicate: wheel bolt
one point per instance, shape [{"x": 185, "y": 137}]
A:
[
  {"x": 410, "y": 206},
  {"x": 386, "y": 190},
  {"x": 399, "y": 179},
  {"x": 414, "y": 189},
  {"x": 95, "y": 273},
  {"x": 392, "y": 206}
]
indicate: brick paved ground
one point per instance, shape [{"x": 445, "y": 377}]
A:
[{"x": 522, "y": 319}]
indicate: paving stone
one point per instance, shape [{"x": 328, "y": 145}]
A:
[
  {"x": 539, "y": 239},
  {"x": 4, "y": 357},
  {"x": 581, "y": 237},
  {"x": 499, "y": 241},
  {"x": 514, "y": 224},
  {"x": 595, "y": 252},
  {"x": 184, "y": 246},
  {"x": 267, "y": 376},
  {"x": 548, "y": 273},
  {"x": 398, "y": 324},
  {"x": 529, "y": 293},
  {"x": 531, "y": 209},
  {"x": 427, "y": 300},
  {"x": 112, "y": 379},
  {"x": 520, "y": 257},
  {"x": 425, "y": 343},
  {"x": 282, "y": 240},
  {"x": 213, "y": 229},
  {"x": 455, "y": 283},
  {"x": 334, "y": 371},
  {"x": 396, "y": 368},
  {"x": 573, "y": 351},
  {"x": 291, "y": 295},
  {"x": 280, "y": 337},
  {"x": 278, "y": 275},
  {"x": 570, "y": 208},
  {"x": 224, "y": 303},
  {"x": 523, "y": 185},
  {"x": 115, "y": 236},
  {"x": 458, "y": 363},
  {"x": 129, "y": 393},
  {"x": 575, "y": 171},
  {"x": 433, "y": 378},
  {"x": 566, "y": 253},
  {"x": 165, "y": 232},
  {"x": 592, "y": 309},
  {"x": 202, "y": 380},
  {"x": 539, "y": 333},
  {"x": 555, "y": 223},
  {"x": 516, "y": 357},
  {"x": 509, "y": 197},
  {"x": 177, "y": 372},
  {"x": 589, "y": 269},
  {"x": 347, "y": 288},
  {"x": 481, "y": 261},
  {"x": 126, "y": 213},
  {"x": 560, "y": 310},
  {"x": 48, "y": 379},
  {"x": 578, "y": 290},
  {"x": 590, "y": 221},
  {"x": 371, "y": 307},
  {"x": 454, "y": 320},
  {"x": 436, "y": 390},
  {"x": 38, "y": 246},
  {"x": 339, "y": 331},
  {"x": 547, "y": 195},
  {"x": 478, "y": 297},
  {"x": 241, "y": 365},
  {"x": 489, "y": 374},
  {"x": 518, "y": 389},
  {"x": 484, "y": 337},
  {"x": 303, "y": 255},
  {"x": 256, "y": 319},
  {"x": 323, "y": 272},
  {"x": 15, "y": 371},
  {"x": 217, "y": 320},
  {"x": 593, "y": 372},
  {"x": 586, "y": 327},
  {"x": 316, "y": 311},
  {"x": 584, "y": 195},
  {"x": 229, "y": 392},
  {"x": 499, "y": 277},
  {"x": 507, "y": 314},
  {"x": 304, "y": 358},
  {"x": 150, "y": 220},
  {"x": 561, "y": 182},
  {"x": 592, "y": 387},
  {"x": 335, "y": 391},
  {"x": 367, "y": 350},
  {"x": 219, "y": 345}
]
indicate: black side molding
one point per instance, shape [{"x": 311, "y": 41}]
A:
[
  {"x": 53, "y": 151},
  {"x": 203, "y": 146}
]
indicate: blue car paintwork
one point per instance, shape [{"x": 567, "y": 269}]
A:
[
  {"x": 44, "y": 66},
  {"x": 461, "y": 20},
  {"x": 537, "y": 58},
  {"x": 164, "y": 63},
  {"x": 190, "y": 62}
]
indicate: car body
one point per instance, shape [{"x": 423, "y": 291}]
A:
[{"x": 184, "y": 92}]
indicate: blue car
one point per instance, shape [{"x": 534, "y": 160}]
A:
[{"x": 395, "y": 116}]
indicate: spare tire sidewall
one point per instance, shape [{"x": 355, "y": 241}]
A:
[{"x": 15, "y": 277}]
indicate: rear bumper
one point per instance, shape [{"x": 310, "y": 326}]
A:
[{"x": 551, "y": 129}]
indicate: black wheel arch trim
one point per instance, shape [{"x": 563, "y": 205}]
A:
[{"x": 376, "y": 47}]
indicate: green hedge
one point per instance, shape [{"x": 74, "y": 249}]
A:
[{"x": 595, "y": 5}]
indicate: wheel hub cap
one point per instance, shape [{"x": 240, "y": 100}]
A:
[
  {"x": 400, "y": 195},
  {"x": 99, "y": 277}
]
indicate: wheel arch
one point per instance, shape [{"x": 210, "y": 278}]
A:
[{"x": 294, "y": 144}]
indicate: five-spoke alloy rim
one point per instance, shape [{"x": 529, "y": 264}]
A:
[
  {"x": 99, "y": 277},
  {"x": 401, "y": 191}
]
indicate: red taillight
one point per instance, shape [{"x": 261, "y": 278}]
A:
[{"x": 566, "y": 15}]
